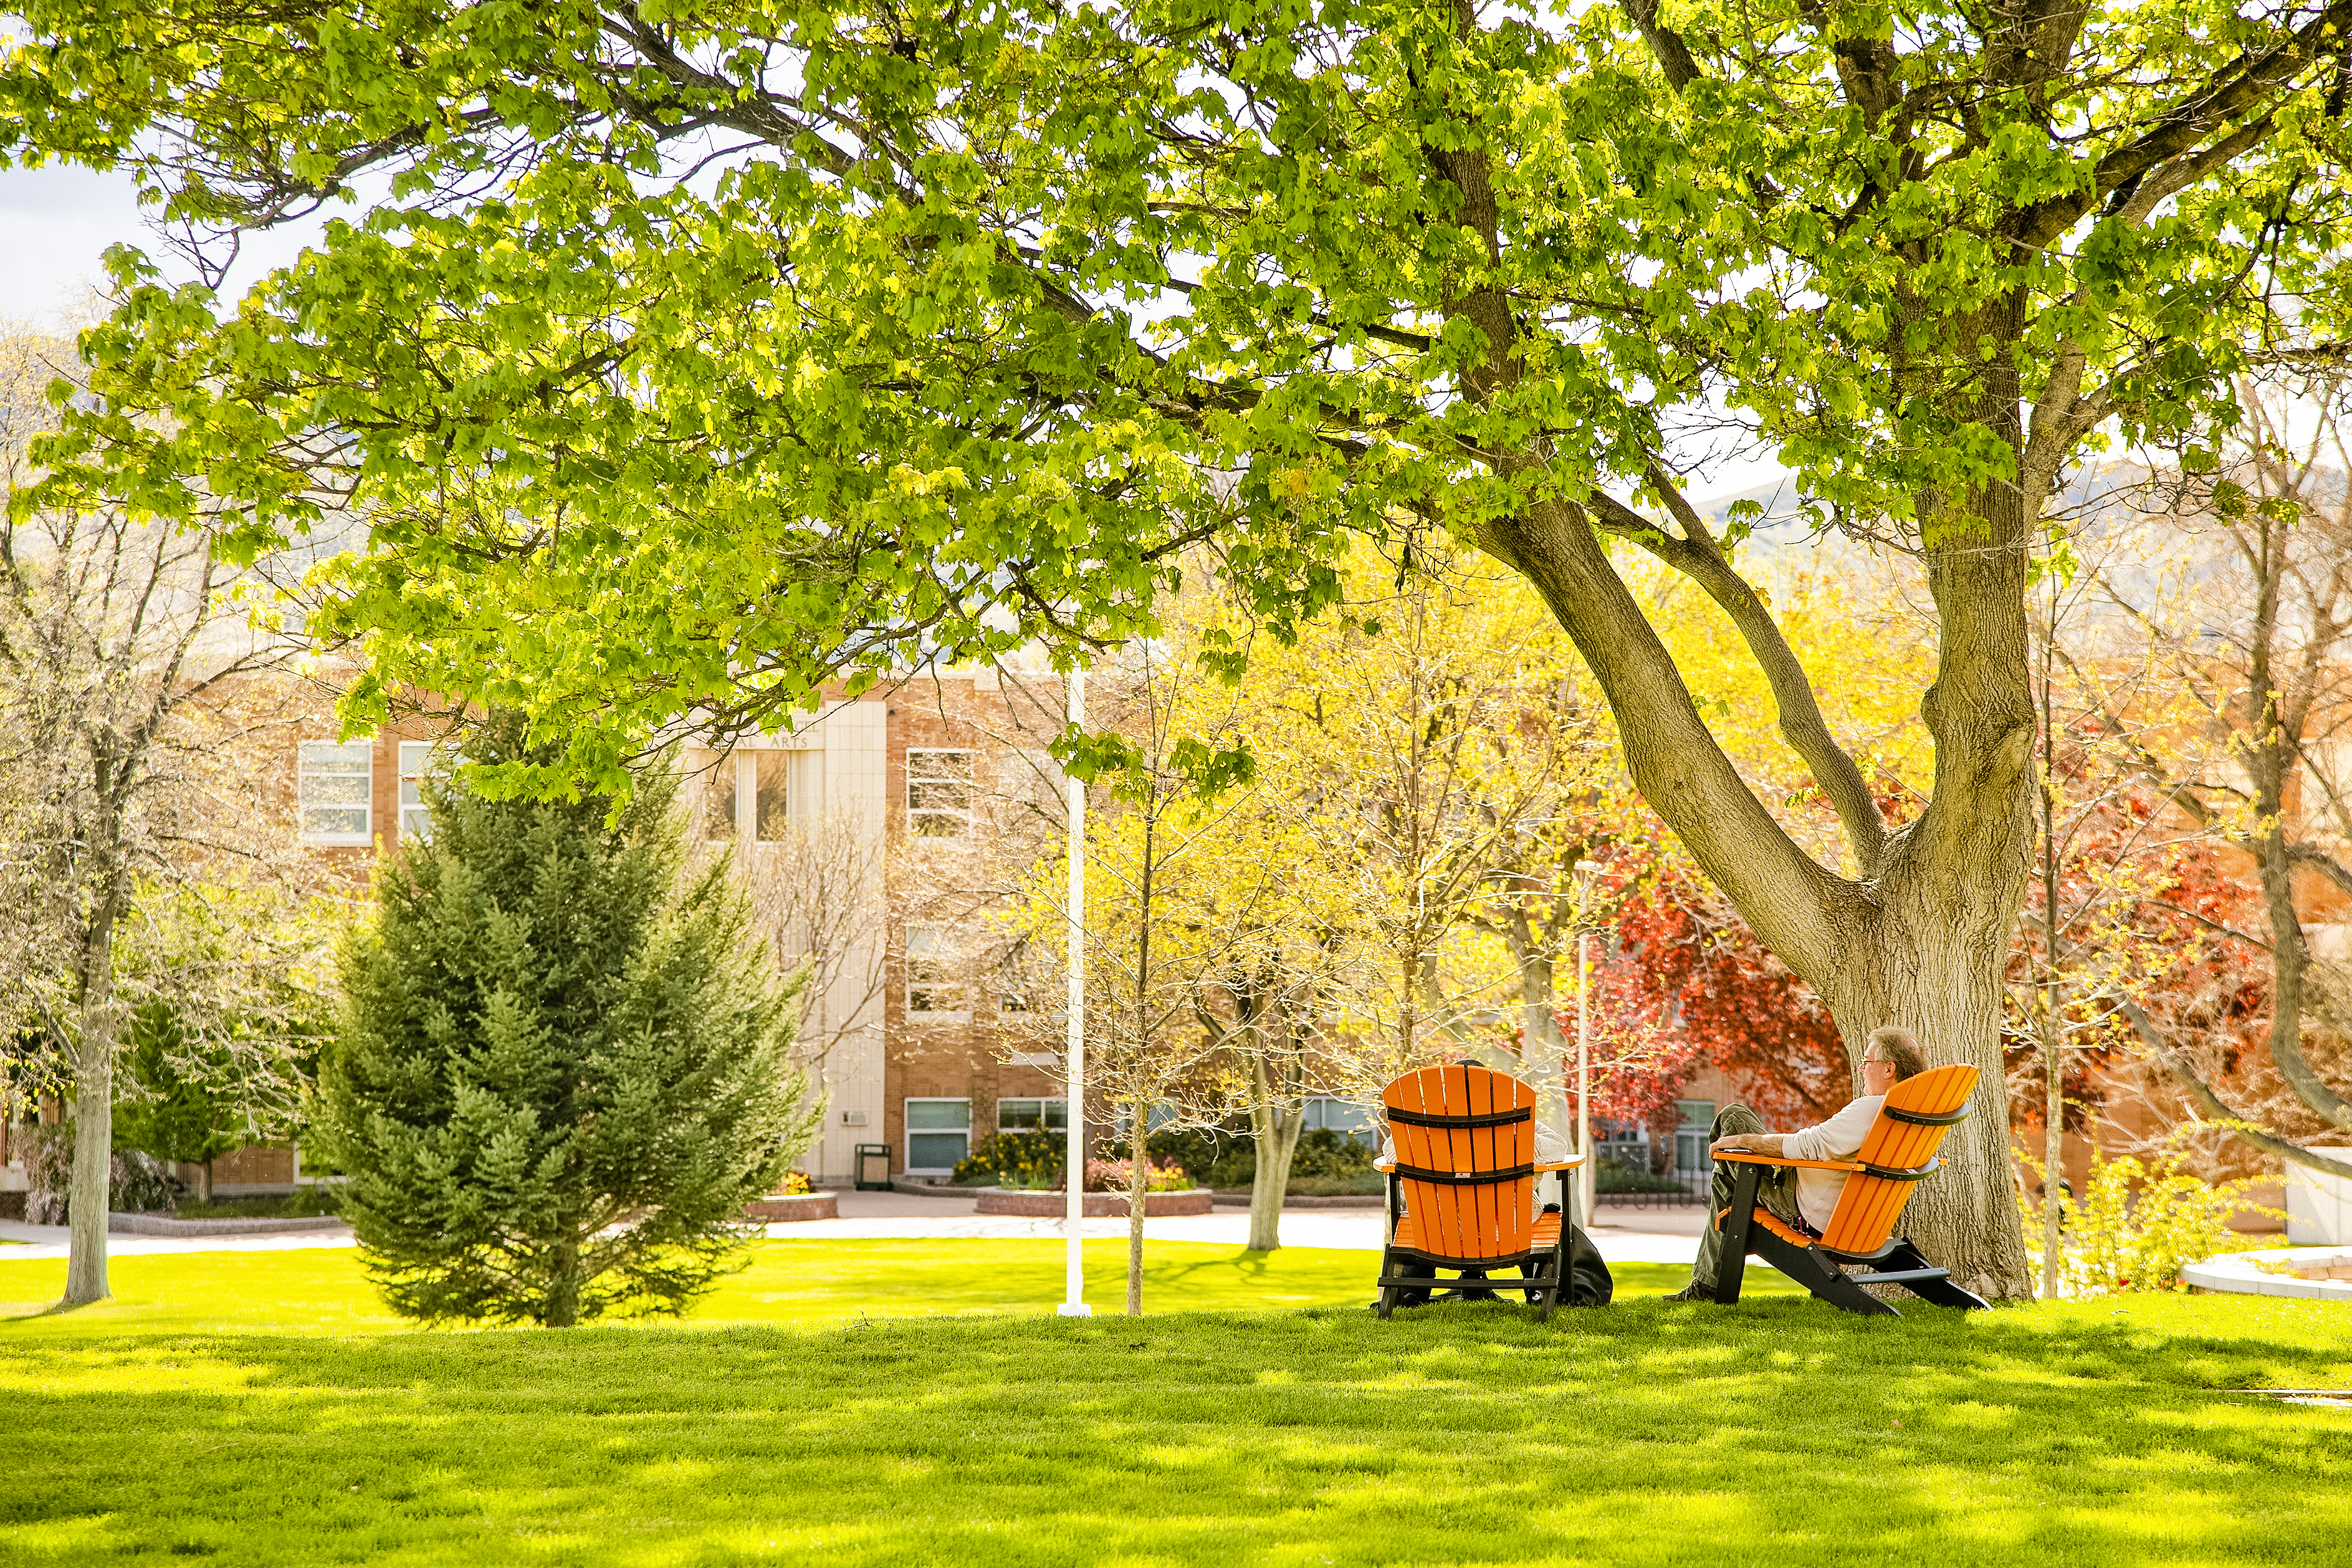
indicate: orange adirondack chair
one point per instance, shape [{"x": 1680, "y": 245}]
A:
[
  {"x": 1462, "y": 1189},
  {"x": 1898, "y": 1152}
]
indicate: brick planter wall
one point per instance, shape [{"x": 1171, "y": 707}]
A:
[
  {"x": 1099, "y": 1205},
  {"x": 803, "y": 1206}
]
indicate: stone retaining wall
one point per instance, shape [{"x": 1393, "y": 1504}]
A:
[
  {"x": 799, "y": 1206},
  {"x": 1099, "y": 1205},
  {"x": 162, "y": 1225}
]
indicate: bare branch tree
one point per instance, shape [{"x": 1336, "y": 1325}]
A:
[{"x": 135, "y": 663}]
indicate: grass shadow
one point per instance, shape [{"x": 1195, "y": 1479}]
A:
[{"x": 1633, "y": 1434}]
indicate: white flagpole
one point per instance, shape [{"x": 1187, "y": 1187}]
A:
[
  {"x": 1075, "y": 1112},
  {"x": 1587, "y": 873}
]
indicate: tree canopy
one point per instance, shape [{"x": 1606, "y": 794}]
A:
[{"x": 688, "y": 356}]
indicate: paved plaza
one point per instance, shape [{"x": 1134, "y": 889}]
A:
[{"x": 1623, "y": 1234}]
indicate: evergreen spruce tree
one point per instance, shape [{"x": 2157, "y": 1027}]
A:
[{"x": 563, "y": 1067}]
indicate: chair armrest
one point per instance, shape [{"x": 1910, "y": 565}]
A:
[
  {"x": 1570, "y": 1164},
  {"x": 1741, "y": 1156},
  {"x": 1383, "y": 1164}
]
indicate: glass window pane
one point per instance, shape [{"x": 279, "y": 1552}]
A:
[
  {"x": 332, "y": 757},
  {"x": 767, "y": 782},
  {"x": 336, "y": 821},
  {"x": 334, "y": 789},
  {"x": 939, "y": 1113},
  {"x": 1694, "y": 1113},
  {"x": 1014, "y": 1115},
  {"x": 939, "y": 792},
  {"x": 414, "y": 755},
  {"x": 719, "y": 800},
  {"x": 935, "y": 1151}
]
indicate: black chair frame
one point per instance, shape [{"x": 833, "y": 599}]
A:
[{"x": 1817, "y": 1268}]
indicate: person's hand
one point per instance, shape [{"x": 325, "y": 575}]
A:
[{"x": 1730, "y": 1143}]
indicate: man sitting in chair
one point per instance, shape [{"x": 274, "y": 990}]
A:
[{"x": 1807, "y": 1201}]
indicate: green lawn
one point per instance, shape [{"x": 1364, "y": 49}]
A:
[{"x": 259, "y": 1408}]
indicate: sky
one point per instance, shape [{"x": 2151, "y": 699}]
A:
[{"x": 54, "y": 222}]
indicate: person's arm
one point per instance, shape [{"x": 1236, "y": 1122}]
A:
[
  {"x": 1841, "y": 1136},
  {"x": 1752, "y": 1143}
]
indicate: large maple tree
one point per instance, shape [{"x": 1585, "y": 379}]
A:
[{"x": 688, "y": 356}]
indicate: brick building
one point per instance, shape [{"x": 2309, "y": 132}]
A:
[{"x": 895, "y": 785}]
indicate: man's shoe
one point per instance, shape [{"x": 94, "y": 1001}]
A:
[{"x": 1694, "y": 1293}]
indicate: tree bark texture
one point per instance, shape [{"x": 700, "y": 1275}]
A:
[
  {"x": 1138, "y": 1190},
  {"x": 1276, "y": 1119},
  {"x": 90, "y": 1196},
  {"x": 1921, "y": 939}
]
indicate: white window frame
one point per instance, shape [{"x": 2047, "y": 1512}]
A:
[
  {"x": 922, "y": 940},
  {"x": 951, "y": 822},
  {"x": 1044, "y": 1103},
  {"x": 907, "y": 1120},
  {"x": 412, "y": 779},
  {"x": 304, "y": 773},
  {"x": 735, "y": 773}
]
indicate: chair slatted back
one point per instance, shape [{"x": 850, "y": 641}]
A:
[
  {"x": 1870, "y": 1205},
  {"x": 1456, "y": 1218}
]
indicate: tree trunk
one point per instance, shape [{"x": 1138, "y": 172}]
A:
[
  {"x": 1922, "y": 940},
  {"x": 564, "y": 1288},
  {"x": 1543, "y": 1048},
  {"x": 205, "y": 1181},
  {"x": 1276, "y": 1117},
  {"x": 89, "y": 1196},
  {"x": 1138, "y": 1190},
  {"x": 1925, "y": 961}
]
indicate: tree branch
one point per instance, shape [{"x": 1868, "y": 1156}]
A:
[
  {"x": 1698, "y": 557},
  {"x": 2215, "y": 1107}
]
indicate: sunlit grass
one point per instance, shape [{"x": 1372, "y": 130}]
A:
[{"x": 260, "y": 1407}]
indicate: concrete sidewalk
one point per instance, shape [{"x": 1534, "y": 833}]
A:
[{"x": 1623, "y": 1235}]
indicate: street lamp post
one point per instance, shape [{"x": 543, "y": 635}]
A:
[
  {"x": 1073, "y": 1164},
  {"x": 1587, "y": 873}
]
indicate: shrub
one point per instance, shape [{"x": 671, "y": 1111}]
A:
[
  {"x": 1322, "y": 1155},
  {"x": 313, "y": 1200},
  {"x": 1194, "y": 1151},
  {"x": 565, "y": 1065},
  {"x": 1367, "y": 1183},
  {"x": 1114, "y": 1176},
  {"x": 1613, "y": 1176},
  {"x": 2114, "y": 1240},
  {"x": 138, "y": 1183},
  {"x": 1030, "y": 1159}
]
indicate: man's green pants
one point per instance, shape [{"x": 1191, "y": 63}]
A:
[{"x": 1776, "y": 1192}]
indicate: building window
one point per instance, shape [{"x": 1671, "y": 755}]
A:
[
  {"x": 1694, "y": 1120},
  {"x": 1033, "y": 1116},
  {"x": 416, "y": 760},
  {"x": 938, "y": 1134},
  {"x": 934, "y": 988},
  {"x": 768, "y": 796},
  {"x": 734, "y": 779},
  {"x": 939, "y": 793},
  {"x": 1343, "y": 1117},
  {"x": 718, "y": 797},
  {"x": 336, "y": 790}
]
